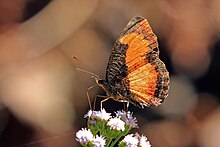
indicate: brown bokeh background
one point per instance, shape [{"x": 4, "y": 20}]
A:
[{"x": 43, "y": 96}]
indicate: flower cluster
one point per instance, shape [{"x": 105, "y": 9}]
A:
[
  {"x": 134, "y": 140},
  {"x": 105, "y": 130}
]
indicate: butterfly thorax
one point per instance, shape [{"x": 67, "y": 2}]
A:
[{"x": 112, "y": 92}]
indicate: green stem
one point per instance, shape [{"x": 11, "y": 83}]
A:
[
  {"x": 108, "y": 142},
  {"x": 119, "y": 136}
]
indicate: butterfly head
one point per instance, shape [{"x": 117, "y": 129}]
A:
[
  {"x": 104, "y": 84},
  {"x": 101, "y": 82}
]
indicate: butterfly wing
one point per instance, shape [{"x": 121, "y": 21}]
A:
[{"x": 134, "y": 69}]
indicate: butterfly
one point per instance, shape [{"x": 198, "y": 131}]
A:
[{"x": 134, "y": 73}]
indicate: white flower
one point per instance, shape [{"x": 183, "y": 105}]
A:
[
  {"x": 130, "y": 141},
  {"x": 102, "y": 115},
  {"x": 89, "y": 113},
  {"x": 99, "y": 141},
  {"x": 143, "y": 142},
  {"x": 127, "y": 118},
  {"x": 116, "y": 124},
  {"x": 84, "y": 136}
]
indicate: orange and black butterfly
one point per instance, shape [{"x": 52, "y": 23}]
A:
[{"x": 135, "y": 74}]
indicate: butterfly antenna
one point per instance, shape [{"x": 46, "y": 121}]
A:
[
  {"x": 90, "y": 73},
  {"x": 85, "y": 71},
  {"x": 94, "y": 76},
  {"x": 75, "y": 58}
]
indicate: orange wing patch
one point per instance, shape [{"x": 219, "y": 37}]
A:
[
  {"x": 142, "y": 86},
  {"x": 142, "y": 75},
  {"x": 139, "y": 45}
]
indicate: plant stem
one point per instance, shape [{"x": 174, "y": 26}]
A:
[
  {"x": 117, "y": 139},
  {"x": 108, "y": 142}
]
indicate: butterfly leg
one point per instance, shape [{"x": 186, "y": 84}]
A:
[
  {"x": 101, "y": 96},
  {"x": 88, "y": 97},
  {"x": 106, "y": 98},
  {"x": 126, "y": 105}
]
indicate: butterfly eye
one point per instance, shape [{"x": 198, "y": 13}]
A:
[{"x": 101, "y": 82}]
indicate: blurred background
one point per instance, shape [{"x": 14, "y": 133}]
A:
[{"x": 43, "y": 96}]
